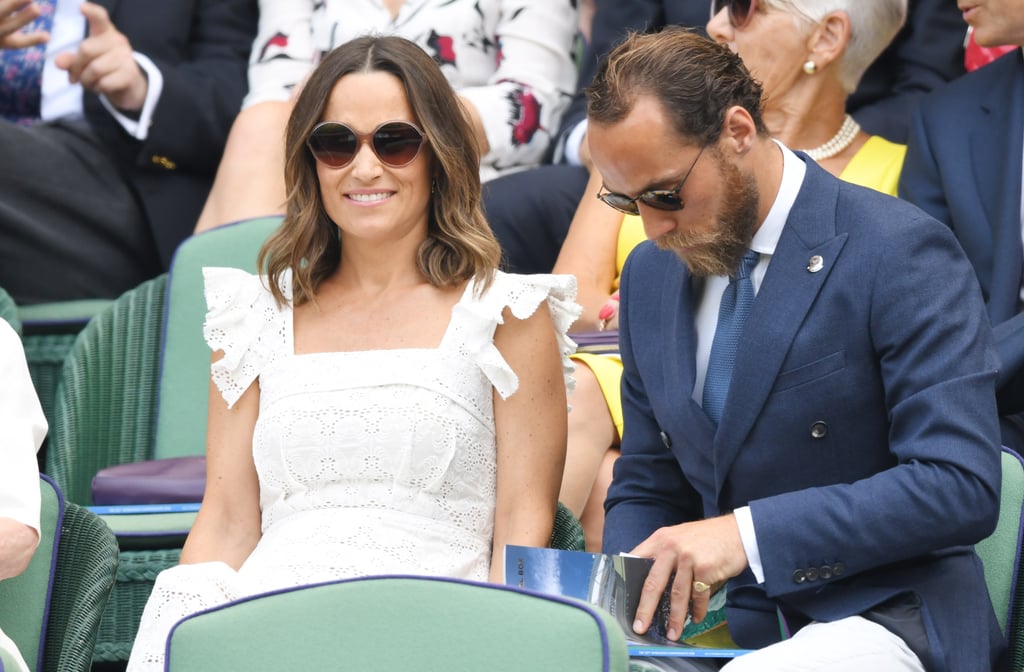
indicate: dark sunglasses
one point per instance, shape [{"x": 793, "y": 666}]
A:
[
  {"x": 396, "y": 143},
  {"x": 740, "y": 11},
  {"x": 659, "y": 199}
]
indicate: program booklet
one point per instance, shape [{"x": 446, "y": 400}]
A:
[{"x": 614, "y": 582}]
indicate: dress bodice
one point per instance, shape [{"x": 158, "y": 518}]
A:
[{"x": 405, "y": 435}]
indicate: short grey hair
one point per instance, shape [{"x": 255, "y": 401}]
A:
[{"x": 873, "y": 25}]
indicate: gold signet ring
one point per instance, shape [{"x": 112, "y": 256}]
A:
[{"x": 701, "y": 587}]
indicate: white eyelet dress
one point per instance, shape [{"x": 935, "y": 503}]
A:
[{"x": 369, "y": 462}]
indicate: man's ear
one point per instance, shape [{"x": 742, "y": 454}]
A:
[
  {"x": 738, "y": 131},
  {"x": 827, "y": 42}
]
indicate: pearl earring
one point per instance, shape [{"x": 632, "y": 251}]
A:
[{"x": 810, "y": 67}]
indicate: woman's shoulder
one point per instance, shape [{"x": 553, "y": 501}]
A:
[
  {"x": 245, "y": 321},
  {"x": 522, "y": 295}
]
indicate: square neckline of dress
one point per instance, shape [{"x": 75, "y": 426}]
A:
[{"x": 445, "y": 337}]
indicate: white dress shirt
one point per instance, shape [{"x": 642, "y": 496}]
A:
[{"x": 765, "y": 240}]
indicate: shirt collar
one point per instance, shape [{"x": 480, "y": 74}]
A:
[{"x": 793, "y": 170}]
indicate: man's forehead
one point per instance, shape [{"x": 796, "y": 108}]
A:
[{"x": 642, "y": 151}]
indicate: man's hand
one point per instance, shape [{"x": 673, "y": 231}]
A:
[
  {"x": 15, "y": 15},
  {"x": 706, "y": 553},
  {"x": 18, "y": 543},
  {"x": 104, "y": 63}
]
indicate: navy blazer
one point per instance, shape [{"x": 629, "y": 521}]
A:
[
  {"x": 860, "y": 426},
  {"x": 963, "y": 167},
  {"x": 202, "y": 49}
]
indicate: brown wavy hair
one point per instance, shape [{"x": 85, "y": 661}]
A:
[
  {"x": 696, "y": 79},
  {"x": 459, "y": 243}
]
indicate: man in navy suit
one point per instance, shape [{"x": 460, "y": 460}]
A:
[
  {"x": 855, "y": 456},
  {"x": 963, "y": 167},
  {"x": 102, "y": 183}
]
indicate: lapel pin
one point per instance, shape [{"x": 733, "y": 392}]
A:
[{"x": 815, "y": 263}]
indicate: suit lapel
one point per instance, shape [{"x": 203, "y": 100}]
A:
[
  {"x": 789, "y": 289},
  {"x": 996, "y": 147}
]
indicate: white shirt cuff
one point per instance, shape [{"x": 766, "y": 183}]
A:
[
  {"x": 745, "y": 521},
  {"x": 139, "y": 128},
  {"x": 572, "y": 143}
]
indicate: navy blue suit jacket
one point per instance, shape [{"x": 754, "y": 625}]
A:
[
  {"x": 860, "y": 426},
  {"x": 963, "y": 167},
  {"x": 202, "y": 49}
]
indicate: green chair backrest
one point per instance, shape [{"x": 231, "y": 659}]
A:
[
  {"x": 185, "y": 363},
  {"x": 87, "y": 563},
  {"x": 1000, "y": 554},
  {"x": 400, "y": 623},
  {"x": 24, "y": 599},
  {"x": 103, "y": 410}
]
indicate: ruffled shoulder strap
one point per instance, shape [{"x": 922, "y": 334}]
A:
[
  {"x": 244, "y": 321},
  {"x": 522, "y": 294}
]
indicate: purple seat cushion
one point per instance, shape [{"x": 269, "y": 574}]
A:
[{"x": 167, "y": 481}]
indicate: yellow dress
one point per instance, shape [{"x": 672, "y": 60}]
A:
[{"x": 876, "y": 165}]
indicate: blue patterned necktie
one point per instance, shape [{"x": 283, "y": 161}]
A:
[
  {"x": 737, "y": 300},
  {"x": 22, "y": 70}
]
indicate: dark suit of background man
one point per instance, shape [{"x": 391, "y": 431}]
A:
[
  {"x": 840, "y": 486},
  {"x": 963, "y": 167},
  {"x": 530, "y": 211},
  {"x": 89, "y": 205}
]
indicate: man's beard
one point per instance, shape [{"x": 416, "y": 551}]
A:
[{"x": 720, "y": 251}]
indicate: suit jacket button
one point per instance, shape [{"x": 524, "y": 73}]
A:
[
  {"x": 164, "y": 162},
  {"x": 819, "y": 429},
  {"x": 812, "y": 574},
  {"x": 799, "y": 576},
  {"x": 825, "y": 572},
  {"x": 838, "y": 569},
  {"x": 666, "y": 440}
]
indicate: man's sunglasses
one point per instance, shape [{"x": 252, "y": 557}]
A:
[
  {"x": 659, "y": 199},
  {"x": 740, "y": 11},
  {"x": 396, "y": 143}
]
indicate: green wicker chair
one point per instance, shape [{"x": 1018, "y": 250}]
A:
[
  {"x": 52, "y": 610},
  {"x": 1001, "y": 555},
  {"x": 400, "y": 623},
  {"x": 48, "y": 332}
]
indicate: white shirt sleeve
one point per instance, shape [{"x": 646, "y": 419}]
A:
[
  {"x": 572, "y": 143},
  {"x": 22, "y": 429},
  {"x": 139, "y": 129},
  {"x": 745, "y": 521}
]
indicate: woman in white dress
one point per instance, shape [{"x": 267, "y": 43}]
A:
[{"x": 383, "y": 400}]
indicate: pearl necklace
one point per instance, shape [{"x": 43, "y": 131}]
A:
[{"x": 840, "y": 141}]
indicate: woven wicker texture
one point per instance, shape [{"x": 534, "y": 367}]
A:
[
  {"x": 107, "y": 393},
  {"x": 568, "y": 532},
  {"x": 135, "y": 576},
  {"x": 45, "y": 354},
  {"x": 87, "y": 561}
]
